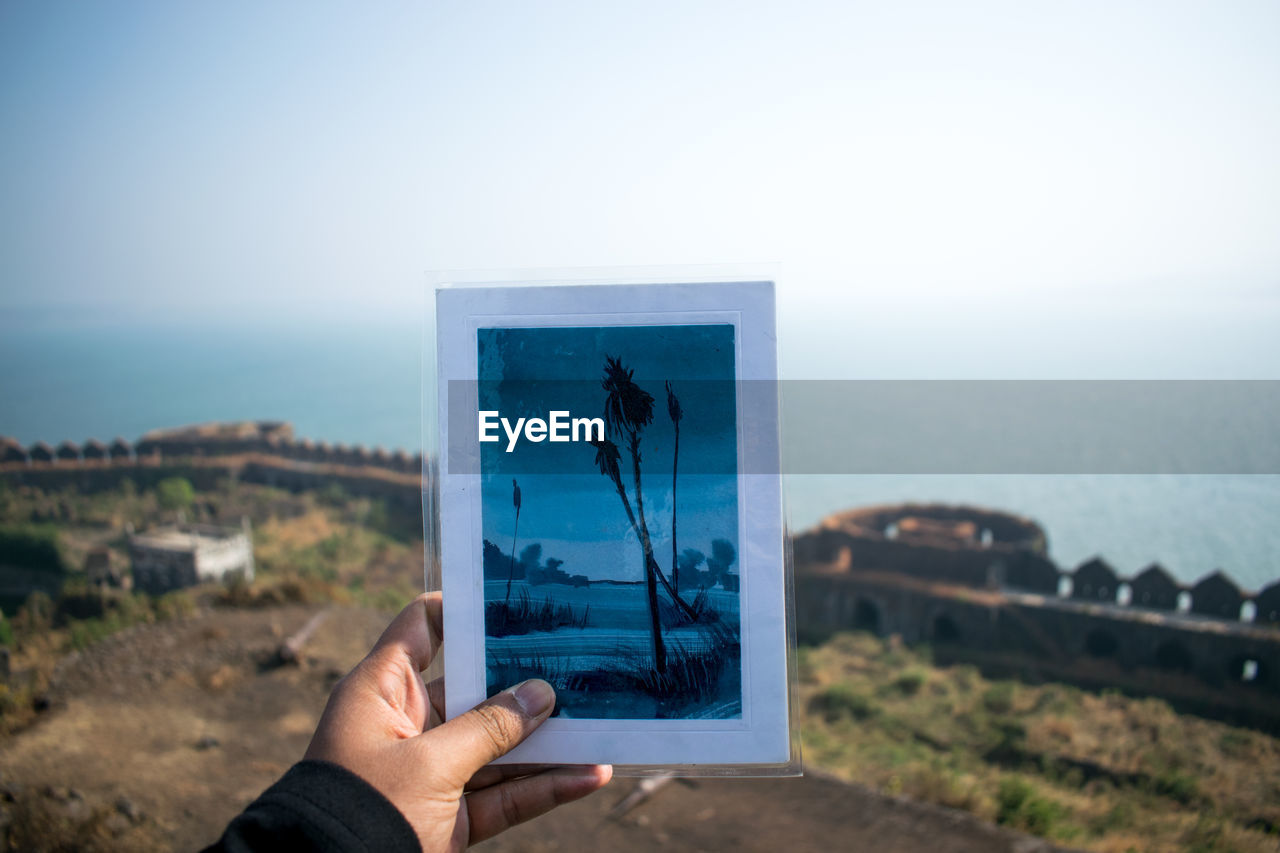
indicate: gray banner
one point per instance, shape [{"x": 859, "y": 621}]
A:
[{"x": 909, "y": 427}]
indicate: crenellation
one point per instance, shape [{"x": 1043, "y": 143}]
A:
[
  {"x": 11, "y": 452},
  {"x": 1267, "y": 604},
  {"x": 1154, "y": 588},
  {"x": 996, "y": 600},
  {"x": 1218, "y": 596},
  {"x": 264, "y": 452},
  {"x": 1095, "y": 580}
]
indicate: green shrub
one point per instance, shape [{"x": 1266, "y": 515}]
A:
[
  {"x": 1018, "y": 805},
  {"x": 1039, "y": 815},
  {"x": 333, "y": 494},
  {"x": 998, "y": 698},
  {"x": 175, "y": 493},
  {"x": 1012, "y": 795},
  {"x": 1177, "y": 786},
  {"x": 174, "y": 605},
  {"x": 840, "y": 701},
  {"x": 32, "y": 546},
  {"x": 909, "y": 681}
]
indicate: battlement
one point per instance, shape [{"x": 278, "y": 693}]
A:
[
  {"x": 273, "y": 438},
  {"x": 256, "y": 451},
  {"x": 995, "y": 550},
  {"x": 978, "y": 585}
]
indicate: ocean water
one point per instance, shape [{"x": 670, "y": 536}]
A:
[
  {"x": 357, "y": 384},
  {"x": 617, "y": 635},
  {"x": 337, "y": 383}
]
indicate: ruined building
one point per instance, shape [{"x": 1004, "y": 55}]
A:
[{"x": 184, "y": 555}]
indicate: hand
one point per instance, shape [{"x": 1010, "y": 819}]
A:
[{"x": 376, "y": 725}]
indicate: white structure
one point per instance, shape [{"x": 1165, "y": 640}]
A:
[{"x": 170, "y": 558}]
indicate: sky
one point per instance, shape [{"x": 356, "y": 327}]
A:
[
  {"x": 984, "y": 190},
  {"x": 580, "y": 518}
]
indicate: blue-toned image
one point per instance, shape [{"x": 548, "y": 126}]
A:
[{"x": 611, "y": 554}]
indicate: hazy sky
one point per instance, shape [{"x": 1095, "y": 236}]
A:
[
  {"x": 977, "y": 189},
  {"x": 580, "y": 514}
]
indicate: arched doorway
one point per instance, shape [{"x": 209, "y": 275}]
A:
[
  {"x": 866, "y": 616},
  {"x": 945, "y": 629}
]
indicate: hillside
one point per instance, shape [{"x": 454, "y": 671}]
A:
[{"x": 149, "y": 725}]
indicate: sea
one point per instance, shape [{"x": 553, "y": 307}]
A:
[{"x": 357, "y": 384}]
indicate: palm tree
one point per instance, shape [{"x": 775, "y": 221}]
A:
[
  {"x": 676, "y": 413},
  {"x": 607, "y": 458},
  {"x": 511, "y": 573},
  {"x": 628, "y": 409}
]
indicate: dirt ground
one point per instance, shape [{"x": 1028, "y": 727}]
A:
[{"x": 156, "y": 737}]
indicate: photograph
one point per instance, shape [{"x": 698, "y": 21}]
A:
[
  {"x": 606, "y": 571},
  {"x": 608, "y": 522}
]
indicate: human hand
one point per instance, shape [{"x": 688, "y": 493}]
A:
[{"x": 376, "y": 725}]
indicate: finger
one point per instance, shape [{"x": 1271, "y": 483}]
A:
[
  {"x": 495, "y": 773},
  {"x": 496, "y": 809},
  {"x": 415, "y": 633},
  {"x": 435, "y": 695},
  {"x": 491, "y": 729}
]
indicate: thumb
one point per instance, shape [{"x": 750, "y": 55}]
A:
[{"x": 491, "y": 729}]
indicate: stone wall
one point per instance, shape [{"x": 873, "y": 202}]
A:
[
  {"x": 1191, "y": 661},
  {"x": 969, "y": 598},
  {"x": 271, "y": 438},
  {"x": 260, "y": 452},
  {"x": 1015, "y": 558}
]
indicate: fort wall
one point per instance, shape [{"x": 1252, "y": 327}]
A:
[
  {"x": 1007, "y": 607},
  {"x": 263, "y": 452}
]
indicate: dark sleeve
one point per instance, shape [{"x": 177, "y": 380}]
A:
[{"x": 319, "y": 806}]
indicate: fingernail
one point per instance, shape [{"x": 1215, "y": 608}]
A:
[{"x": 534, "y": 696}]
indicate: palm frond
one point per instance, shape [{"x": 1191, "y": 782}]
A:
[
  {"x": 673, "y": 405},
  {"x": 607, "y": 459},
  {"x": 628, "y": 406}
]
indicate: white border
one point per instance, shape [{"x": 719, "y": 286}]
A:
[{"x": 762, "y": 734}]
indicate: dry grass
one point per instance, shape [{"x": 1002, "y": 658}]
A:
[{"x": 1098, "y": 771}]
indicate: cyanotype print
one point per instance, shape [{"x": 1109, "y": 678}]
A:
[{"x": 611, "y": 561}]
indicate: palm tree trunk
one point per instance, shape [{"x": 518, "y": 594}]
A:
[
  {"x": 659, "y": 649},
  {"x": 655, "y": 625},
  {"x": 650, "y": 564},
  {"x": 644, "y": 534},
  {"x": 512, "y": 572}
]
